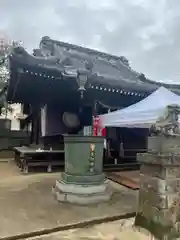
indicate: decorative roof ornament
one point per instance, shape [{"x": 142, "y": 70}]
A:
[
  {"x": 142, "y": 77},
  {"x": 89, "y": 65},
  {"x": 168, "y": 124},
  {"x": 70, "y": 72},
  {"x": 124, "y": 61},
  {"x": 66, "y": 62},
  {"x": 45, "y": 38},
  {"x": 17, "y": 44}
]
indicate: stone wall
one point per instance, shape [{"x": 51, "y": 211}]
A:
[{"x": 159, "y": 194}]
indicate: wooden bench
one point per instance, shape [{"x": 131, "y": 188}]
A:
[{"x": 26, "y": 157}]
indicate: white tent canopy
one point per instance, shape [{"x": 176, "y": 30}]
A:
[{"x": 142, "y": 114}]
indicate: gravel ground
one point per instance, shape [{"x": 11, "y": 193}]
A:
[{"x": 27, "y": 204}]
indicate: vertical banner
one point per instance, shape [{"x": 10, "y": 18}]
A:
[
  {"x": 97, "y": 129},
  {"x": 95, "y": 125},
  {"x": 101, "y": 129},
  {"x": 103, "y": 132}
]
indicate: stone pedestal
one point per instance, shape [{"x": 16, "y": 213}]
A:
[
  {"x": 159, "y": 194},
  {"x": 83, "y": 181}
]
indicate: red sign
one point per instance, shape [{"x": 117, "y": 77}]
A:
[
  {"x": 97, "y": 129},
  {"x": 95, "y": 125},
  {"x": 103, "y": 132}
]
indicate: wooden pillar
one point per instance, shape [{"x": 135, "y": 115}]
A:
[
  {"x": 36, "y": 125},
  {"x": 95, "y": 109}
]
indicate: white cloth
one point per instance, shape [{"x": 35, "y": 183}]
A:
[{"x": 142, "y": 114}]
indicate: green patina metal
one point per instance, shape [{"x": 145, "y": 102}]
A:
[{"x": 83, "y": 160}]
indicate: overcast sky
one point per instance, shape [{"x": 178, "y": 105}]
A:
[{"x": 147, "y": 32}]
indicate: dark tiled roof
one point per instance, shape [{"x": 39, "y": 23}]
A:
[{"x": 105, "y": 69}]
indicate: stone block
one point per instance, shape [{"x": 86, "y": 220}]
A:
[
  {"x": 152, "y": 213},
  {"x": 161, "y": 186},
  {"x": 153, "y": 170},
  {"x": 159, "y": 193},
  {"x": 164, "y": 144},
  {"x": 156, "y": 184},
  {"x": 159, "y": 159},
  {"x": 160, "y": 171},
  {"x": 158, "y": 230},
  {"x": 159, "y": 200},
  {"x": 172, "y": 172},
  {"x": 81, "y": 189},
  {"x": 82, "y": 194},
  {"x": 168, "y": 216}
]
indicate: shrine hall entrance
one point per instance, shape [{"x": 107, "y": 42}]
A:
[{"x": 123, "y": 144}]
